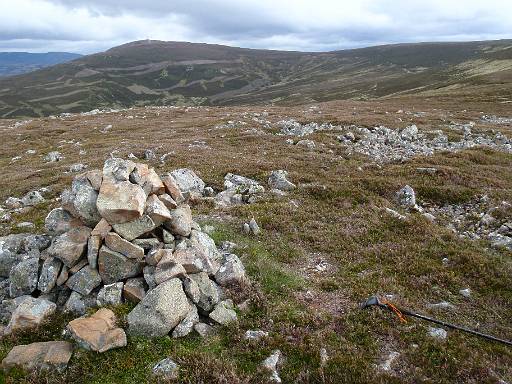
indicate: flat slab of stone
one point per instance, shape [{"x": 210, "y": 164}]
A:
[
  {"x": 133, "y": 229},
  {"x": 162, "y": 309},
  {"x": 99, "y": 332},
  {"x": 39, "y": 356},
  {"x": 118, "y": 244}
]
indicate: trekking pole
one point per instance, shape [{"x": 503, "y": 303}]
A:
[{"x": 374, "y": 301}]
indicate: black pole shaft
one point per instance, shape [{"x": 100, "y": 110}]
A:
[{"x": 453, "y": 326}]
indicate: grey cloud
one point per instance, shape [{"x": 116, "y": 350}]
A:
[{"x": 279, "y": 24}]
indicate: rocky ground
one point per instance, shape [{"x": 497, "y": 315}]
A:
[{"x": 321, "y": 206}]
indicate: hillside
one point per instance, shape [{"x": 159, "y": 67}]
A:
[
  {"x": 176, "y": 73},
  {"x": 338, "y": 235},
  {"x": 17, "y": 63}
]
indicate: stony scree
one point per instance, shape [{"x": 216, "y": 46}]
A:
[{"x": 383, "y": 144}]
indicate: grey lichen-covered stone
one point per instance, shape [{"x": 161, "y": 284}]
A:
[
  {"x": 53, "y": 157},
  {"x": 203, "y": 329},
  {"x": 278, "y": 180},
  {"x": 162, "y": 309},
  {"x": 270, "y": 363},
  {"x": 166, "y": 369},
  {"x": 81, "y": 201},
  {"x": 157, "y": 210},
  {"x": 406, "y": 197},
  {"x": 190, "y": 259},
  {"x": 32, "y": 198},
  {"x": 70, "y": 246},
  {"x": 231, "y": 271},
  {"x": 149, "y": 276},
  {"x": 228, "y": 198},
  {"x": 188, "y": 181},
  {"x": 30, "y": 313},
  {"x": 148, "y": 244},
  {"x": 168, "y": 272},
  {"x": 207, "y": 250},
  {"x": 111, "y": 294},
  {"x": 124, "y": 247},
  {"x": 114, "y": 267},
  {"x": 49, "y": 274},
  {"x": 59, "y": 221},
  {"x": 93, "y": 248},
  {"x": 24, "y": 277},
  {"x": 117, "y": 169},
  {"x": 223, "y": 313},
  {"x": 11, "y": 249},
  {"x": 133, "y": 229},
  {"x": 167, "y": 237},
  {"x": 209, "y": 292},
  {"x": 84, "y": 281},
  {"x": 254, "y": 227},
  {"x": 180, "y": 222},
  {"x": 187, "y": 324},
  {"x": 79, "y": 304},
  {"x": 191, "y": 288}
]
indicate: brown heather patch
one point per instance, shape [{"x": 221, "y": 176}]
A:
[{"x": 338, "y": 219}]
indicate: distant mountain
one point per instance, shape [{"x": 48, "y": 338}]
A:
[
  {"x": 16, "y": 63},
  {"x": 164, "y": 73}
]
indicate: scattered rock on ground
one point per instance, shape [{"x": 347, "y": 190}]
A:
[
  {"x": 39, "y": 356},
  {"x": 438, "y": 333},
  {"x": 166, "y": 369},
  {"x": 98, "y": 332},
  {"x": 278, "y": 180},
  {"x": 270, "y": 363}
]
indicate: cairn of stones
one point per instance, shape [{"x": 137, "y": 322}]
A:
[{"x": 125, "y": 233}]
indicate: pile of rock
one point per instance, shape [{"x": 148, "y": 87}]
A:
[
  {"x": 478, "y": 219},
  {"x": 294, "y": 128},
  {"x": 384, "y": 144},
  {"x": 238, "y": 190},
  {"x": 123, "y": 233}
]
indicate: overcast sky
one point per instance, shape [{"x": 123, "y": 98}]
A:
[{"x": 88, "y": 26}]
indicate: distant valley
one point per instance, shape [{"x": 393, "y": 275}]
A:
[{"x": 17, "y": 63}]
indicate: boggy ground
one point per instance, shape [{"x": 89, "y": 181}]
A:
[{"x": 324, "y": 247}]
